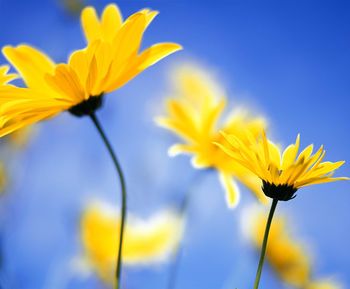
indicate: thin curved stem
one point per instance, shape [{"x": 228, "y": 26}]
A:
[
  {"x": 123, "y": 195},
  {"x": 264, "y": 244}
]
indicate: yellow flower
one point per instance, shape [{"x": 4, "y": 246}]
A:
[
  {"x": 193, "y": 114},
  {"x": 323, "y": 284},
  {"x": 286, "y": 256},
  {"x": 282, "y": 174},
  {"x": 78, "y": 86},
  {"x": 145, "y": 241}
]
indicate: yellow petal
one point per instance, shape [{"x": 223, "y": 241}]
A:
[
  {"x": 290, "y": 154},
  {"x": 155, "y": 53},
  {"x": 177, "y": 149},
  {"x": 146, "y": 59},
  {"x": 17, "y": 124},
  {"x": 111, "y": 21},
  {"x": 90, "y": 24},
  {"x": 266, "y": 148},
  {"x": 31, "y": 63},
  {"x": 231, "y": 189},
  {"x": 66, "y": 82},
  {"x": 275, "y": 154},
  {"x": 318, "y": 180},
  {"x": 4, "y": 77},
  {"x": 128, "y": 39}
]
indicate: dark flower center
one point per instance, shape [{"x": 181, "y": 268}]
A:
[
  {"x": 280, "y": 192},
  {"x": 87, "y": 107}
]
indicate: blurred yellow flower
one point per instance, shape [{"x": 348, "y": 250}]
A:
[
  {"x": 194, "y": 110},
  {"x": 323, "y": 284},
  {"x": 146, "y": 241},
  {"x": 282, "y": 174},
  {"x": 77, "y": 86},
  {"x": 286, "y": 256}
]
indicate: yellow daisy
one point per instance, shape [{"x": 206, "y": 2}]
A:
[
  {"x": 79, "y": 84},
  {"x": 284, "y": 173},
  {"x": 193, "y": 114},
  {"x": 146, "y": 241},
  {"x": 281, "y": 174}
]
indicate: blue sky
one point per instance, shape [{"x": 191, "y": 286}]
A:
[{"x": 288, "y": 59}]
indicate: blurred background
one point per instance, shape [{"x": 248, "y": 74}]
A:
[{"x": 287, "y": 60}]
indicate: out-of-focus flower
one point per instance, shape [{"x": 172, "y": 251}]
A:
[
  {"x": 323, "y": 284},
  {"x": 145, "y": 241},
  {"x": 193, "y": 114},
  {"x": 77, "y": 86},
  {"x": 282, "y": 174},
  {"x": 286, "y": 256}
]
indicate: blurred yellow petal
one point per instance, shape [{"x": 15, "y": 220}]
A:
[
  {"x": 231, "y": 189},
  {"x": 323, "y": 284},
  {"x": 4, "y": 76}
]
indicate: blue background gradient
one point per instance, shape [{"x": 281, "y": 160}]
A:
[{"x": 289, "y": 60}]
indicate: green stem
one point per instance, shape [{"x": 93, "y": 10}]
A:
[
  {"x": 264, "y": 244},
  {"x": 123, "y": 191}
]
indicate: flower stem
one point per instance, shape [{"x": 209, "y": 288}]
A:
[
  {"x": 123, "y": 195},
  {"x": 264, "y": 244}
]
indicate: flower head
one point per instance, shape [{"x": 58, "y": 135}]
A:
[
  {"x": 194, "y": 112},
  {"x": 282, "y": 173},
  {"x": 77, "y": 86},
  {"x": 145, "y": 241}
]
